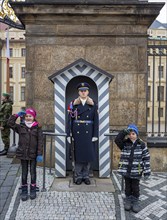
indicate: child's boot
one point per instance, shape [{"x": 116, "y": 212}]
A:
[
  {"x": 32, "y": 191},
  {"x": 128, "y": 203},
  {"x": 135, "y": 204},
  {"x": 24, "y": 193}
]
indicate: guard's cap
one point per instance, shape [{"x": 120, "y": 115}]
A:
[
  {"x": 83, "y": 86},
  {"x": 5, "y": 94}
]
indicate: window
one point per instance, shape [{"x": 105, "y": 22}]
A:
[
  {"x": 148, "y": 112},
  {"x": 148, "y": 71},
  {"x": 160, "y": 93},
  {"x": 22, "y": 93},
  {"x": 11, "y": 52},
  {"x": 161, "y": 71},
  {"x": 149, "y": 93},
  {"x": 10, "y": 72},
  {"x": 11, "y": 92},
  {"x": 23, "y": 52},
  {"x": 23, "y": 72},
  {"x": 160, "y": 111},
  {"x": 150, "y": 32}
]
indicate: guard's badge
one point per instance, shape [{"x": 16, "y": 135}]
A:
[{"x": 83, "y": 84}]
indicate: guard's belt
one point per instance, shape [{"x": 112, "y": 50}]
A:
[{"x": 83, "y": 121}]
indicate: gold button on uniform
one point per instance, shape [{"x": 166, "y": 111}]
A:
[
  {"x": 78, "y": 132},
  {"x": 86, "y": 131}
]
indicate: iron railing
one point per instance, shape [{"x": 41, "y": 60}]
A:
[
  {"x": 112, "y": 136},
  {"x": 157, "y": 96},
  {"x": 51, "y": 135}
]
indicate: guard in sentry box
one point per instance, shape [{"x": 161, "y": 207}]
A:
[{"x": 82, "y": 128}]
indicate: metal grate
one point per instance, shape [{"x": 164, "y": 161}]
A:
[{"x": 157, "y": 93}]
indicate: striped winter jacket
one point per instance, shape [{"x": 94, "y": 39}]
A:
[{"x": 135, "y": 158}]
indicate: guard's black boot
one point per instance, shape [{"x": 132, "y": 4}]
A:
[
  {"x": 24, "y": 193},
  {"x": 87, "y": 181},
  {"x": 128, "y": 203},
  {"x": 78, "y": 181},
  {"x": 135, "y": 205},
  {"x": 3, "y": 152},
  {"x": 32, "y": 191}
]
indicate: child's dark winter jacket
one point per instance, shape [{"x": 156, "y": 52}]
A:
[
  {"x": 135, "y": 158},
  {"x": 30, "y": 139}
]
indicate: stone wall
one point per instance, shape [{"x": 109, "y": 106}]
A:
[{"x": 122, "y": 56}]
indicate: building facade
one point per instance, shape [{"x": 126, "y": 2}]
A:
[
  {"x": 16, "y": 66},
  {"x": 157, "y": 79}
]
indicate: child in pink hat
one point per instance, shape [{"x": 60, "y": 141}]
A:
[{"x": 29, "y": 149}]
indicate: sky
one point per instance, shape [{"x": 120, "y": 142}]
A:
[{"x": 163, "y": 13}]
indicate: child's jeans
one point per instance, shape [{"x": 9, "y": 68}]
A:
[
  {"x": 24, "y": 164},
  {"x": 132, "y": 187}
]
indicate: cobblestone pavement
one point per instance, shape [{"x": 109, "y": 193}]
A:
[
  {"x": 69, "y": 205},
  {"x": 8, "y": 181},
  {"x": 153, "y": 197},
  {"x": 54, "y": 205}
]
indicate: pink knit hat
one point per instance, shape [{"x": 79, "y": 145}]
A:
[{"x": 31, "y": 111}]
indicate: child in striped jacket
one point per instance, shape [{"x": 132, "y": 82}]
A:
[{"x": 134, "y": 161}]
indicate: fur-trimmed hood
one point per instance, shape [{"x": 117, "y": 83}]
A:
[{"x": 89, "y": 101}]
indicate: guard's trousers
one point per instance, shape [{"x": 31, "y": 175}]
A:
[
  {"x": 5, "y": 135},
  {"x": 82, "y": 170}
]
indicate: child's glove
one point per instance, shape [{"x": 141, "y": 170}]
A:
[
  {"x": 21, "y": 113},
  {"x": 126, "y": 131},
  {"x": 39, "y": 158}
]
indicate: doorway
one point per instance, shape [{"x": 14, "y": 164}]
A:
[{"x": 71, "y": 94}]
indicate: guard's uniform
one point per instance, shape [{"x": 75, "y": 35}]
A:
[
  {"x": 83, "y": 124},
  {"x": 5, "y": 113}
]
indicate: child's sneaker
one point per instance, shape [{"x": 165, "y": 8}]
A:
[
  {"x": 128, "y": 203},
  {"x": 32, "y": 191},
  {"x": 135, "y": 205},
  {"x": 24, "y": 192}
]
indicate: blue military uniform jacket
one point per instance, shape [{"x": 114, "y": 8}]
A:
[{"x": 83, "y": 124}]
